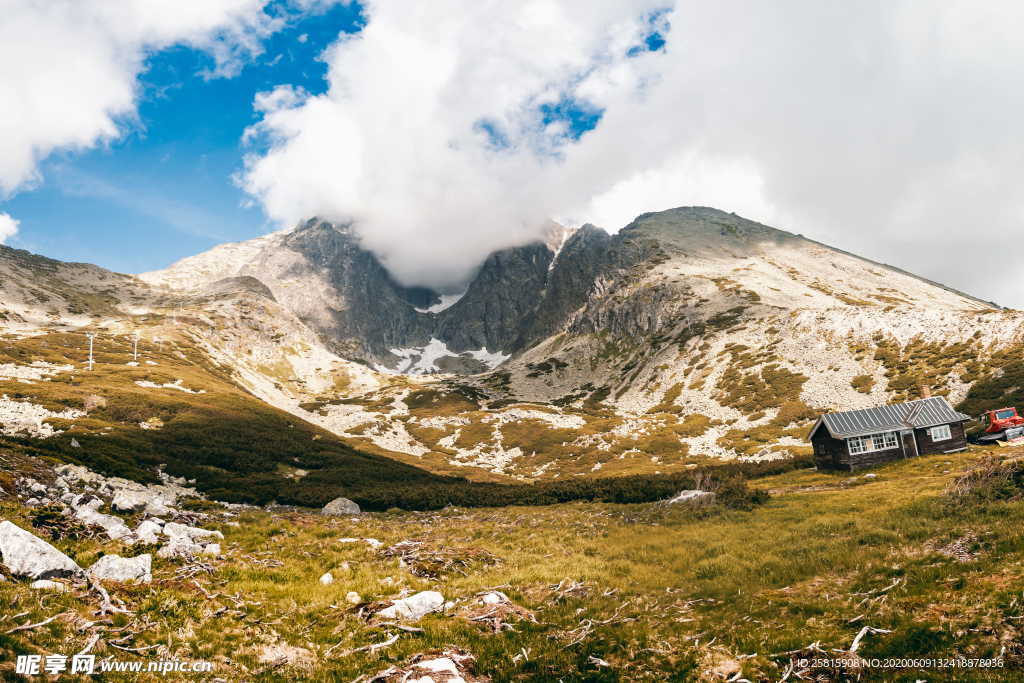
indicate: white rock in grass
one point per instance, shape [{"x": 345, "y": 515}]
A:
[
  {"x": 173, "y": 529},
  {"x": 211, "y": 549},
  {"x": 127, "y": 500},
  {"x": 148, "y": 531},
  {"x": 179, "y": 547},
  {"x": 25, "y": 554},
  {"x": 414, "y": 607},
  {"x": 441, "y": 665},
  {"x": 116, "y": 529},
  {"x": 353, "y": 598},
  {"x": 494, "y": 598},
  {"x": 116, "y": 568},
  {"x": 47, "y": 585},
  {"x": 327, "y": 579}
]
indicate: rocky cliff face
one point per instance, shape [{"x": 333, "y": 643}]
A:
[
  {"x": 665, "y": 271},
  {"x": 321, "y": 273}
]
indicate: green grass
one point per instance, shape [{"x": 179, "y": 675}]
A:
[{"x": 669, "y": 592}]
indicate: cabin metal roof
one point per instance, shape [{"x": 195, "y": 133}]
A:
[{"x": 925, "y": 412}]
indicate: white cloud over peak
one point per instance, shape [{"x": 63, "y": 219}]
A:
[
  {"x": 431, "y": 136},
  {"x": 68, "y": 68},
  {"x": 889, "y": 128},
  {"x": 8, "y": 227}
]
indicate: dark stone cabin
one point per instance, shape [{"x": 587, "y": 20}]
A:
[{"x": 855, "y": 439}]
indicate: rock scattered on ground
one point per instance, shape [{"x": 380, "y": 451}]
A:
[
  {"x": 148, "y": 530},
  {"x": 173, "y": 529},
  {"x": 116, "y": 568},
  {"x": 139, "y": 500},
  {"x": 413, "y": 607},
  {"x": 339, "y": 507},
  {"x": 446, "y": 666},
  {"x": 327, "y": 579},
  {"x": 179, "y": 547},
  {"x": 88, "y": 513},
  {"x": 27, "y": 555},
  {"x": 47, "y": 585}
]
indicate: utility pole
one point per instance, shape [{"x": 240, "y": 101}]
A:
[{"x": 91, "y": 336}]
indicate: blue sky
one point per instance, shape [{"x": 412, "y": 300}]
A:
[
  {"x": 824, "y": 119},
  {"x": 164, "y": 190}
]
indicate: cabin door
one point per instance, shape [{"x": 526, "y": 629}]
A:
[{"x": 909, "y": 443}]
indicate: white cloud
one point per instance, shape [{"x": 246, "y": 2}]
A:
[
  {"x": 68, "y": 68},
  {"x": 890, "y": 128},
  {"x": 8, "y": 227},
  {"x": 397, "y": 142}
]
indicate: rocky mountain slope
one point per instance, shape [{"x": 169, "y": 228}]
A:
[
  {"x": 691, "y": 333},
  {"x": 320, "y": 272}
]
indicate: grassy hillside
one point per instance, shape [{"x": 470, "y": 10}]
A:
[
  {"x": 189, "y": 416},
  {"x": 619, "y": 592},
  {"x": 236, "y": 447}
]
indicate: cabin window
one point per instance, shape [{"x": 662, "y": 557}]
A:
[
  {"x": 940, "y": 433},
  {"x": 872, "y": 442}
]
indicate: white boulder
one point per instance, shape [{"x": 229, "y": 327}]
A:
[
  {"x": 25, "y": 554},
  {"x": 211, "y": 549},
  {"x": 47, "y": 585},
  {"x": 494, "y": 598},
  {"x": 192, "y": 533},
  {"x": 340, "y": 507},
  {"x": 423, "y": 672},
  {"x": 327, "y": 579},
  {"x": 148, "y": 500},
  {"x": 414, "y": 607},
  {"x": 115, "y": 527},
  {"x": 180, "y": 547},
  {"x": 148, "y": 531},
  {"x": 116, "y": 568}
]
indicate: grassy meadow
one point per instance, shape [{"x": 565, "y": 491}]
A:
[{"x": 618, "y": 592}]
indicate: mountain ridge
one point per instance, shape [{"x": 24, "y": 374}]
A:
[{"x": 690, "y": 334}]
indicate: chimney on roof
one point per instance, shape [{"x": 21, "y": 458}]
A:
[{"x": 926, "y": 391}]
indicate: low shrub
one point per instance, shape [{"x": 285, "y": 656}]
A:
[
  {"x": 728, "y": 482},
  {"x": 990, "y": 479}
]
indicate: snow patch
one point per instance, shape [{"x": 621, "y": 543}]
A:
[
  {"x": 423, "y": 360},
  {"x": 447, "y": 301}
]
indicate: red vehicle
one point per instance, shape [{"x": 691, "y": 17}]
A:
[{"x": 1001, "y": 424}]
